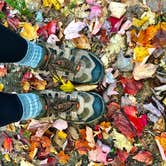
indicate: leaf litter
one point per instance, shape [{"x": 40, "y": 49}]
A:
[{"x": 129, "y": 36}]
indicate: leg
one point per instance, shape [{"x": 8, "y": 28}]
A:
[
  {"x": 12, "y": 47},
  {"x": 11, "y": 108}
]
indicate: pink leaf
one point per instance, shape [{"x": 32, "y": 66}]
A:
[{"x": 144, "y": 156}]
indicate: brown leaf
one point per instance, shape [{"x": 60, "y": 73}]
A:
[{"x": 82, "y": 42}]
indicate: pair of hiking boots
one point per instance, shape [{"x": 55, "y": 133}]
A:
[{"x": 80, "y": 67}]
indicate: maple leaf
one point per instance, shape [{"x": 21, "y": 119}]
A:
[
  {"x": 153, "y": 36},
  {"x": 138, "y": 122},
  {"x": 144, "y": 70},
  {"x": 123, "y": 125},
  {"x": 131, "y": 86},
  {"x": 145, "y": 157},
  {"x": 62, "y": 157}
]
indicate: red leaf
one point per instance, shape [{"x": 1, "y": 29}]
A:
[
  {"x": 138, "y": 122},
  {"x": 145, "y": 157},
  {"x": 115, "y": 23},
  {"x": 122, "y": 155},
  {"x": 123, "y": 125},
  {"x": 2, "y": 3},
  {"x": 13, "y": 22},
  {"x": 111, "y": 108},
  {"x": 131, "y": 86},
  {"x": 48, "y": 29}
]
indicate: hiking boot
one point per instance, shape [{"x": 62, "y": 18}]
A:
[
  {"x": 77, "y": 107},
  {"x": 78, "y": 66}
]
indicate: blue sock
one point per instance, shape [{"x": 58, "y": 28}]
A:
[
  {"x": 32, "y": 105},
  {"x": 34, "y": 55}
]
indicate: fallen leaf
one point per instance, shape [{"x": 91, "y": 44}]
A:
[
  {"x": 142, "y": 70},
  {"x": 159, "y": 126},
  {"x": 60, "y": 124},
  {"x": 62, "y": 157},
  {"x": 117, "y": 9},
  {"x": 82, "y": 146},
  {"x": 144, "y": 157},
  {"x": 121, "y": 142},
  {"x": 138, "y": 122},
  {"x": 3, "y": 70},
  {"x": 123, "y": 125},
  {"x": 161, "y": 143},
  {"x": 67, "y": 86},
  {"x": 7, "y": 144},
  {"x": 50, "y": 3},
  {"x": 85, "y": 87},
  {"x": 90, "y": 137},
  {"x": 81, "y": 42},
  {"x": 29, "y": 32},
  {"x": 73, "y": 29},
  {"x": 130, "y": 85},
  {"x": 140, "y": 53}
]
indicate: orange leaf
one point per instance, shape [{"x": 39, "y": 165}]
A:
[
  {"x": 82, "y": 146},
  {"x": 7, "y": 144},
  {"x": 63, "y": 158},
  {"x": 83, "y": 133},
  {"x": 82, "y": 42}
]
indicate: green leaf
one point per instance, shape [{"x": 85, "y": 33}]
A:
[{"x": 20, "y": 5}]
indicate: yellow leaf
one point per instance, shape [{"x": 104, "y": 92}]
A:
[
  {"x": 29, "y": 32},
  {"x": 7, "y": 157},
  {"x": 49, "y": 3},
  {"x": 1, "y": 87},
  {"x": 139, "y": 22},
  {"x": 140, "y": 53},
  {"x": 164, "y": 101},
  {"x": 67, "y": 86},
  {"x": 121, "y": 141},
  {"x": 62, "y": 134}
]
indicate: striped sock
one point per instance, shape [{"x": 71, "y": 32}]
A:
[
  {"x": 34, "y": 55},
  {"x": 32, "y": 105}
]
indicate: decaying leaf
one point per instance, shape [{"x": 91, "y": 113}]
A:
[
  {"x": 81, "y": 42},
  {"x": 73, "y": 132}
]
